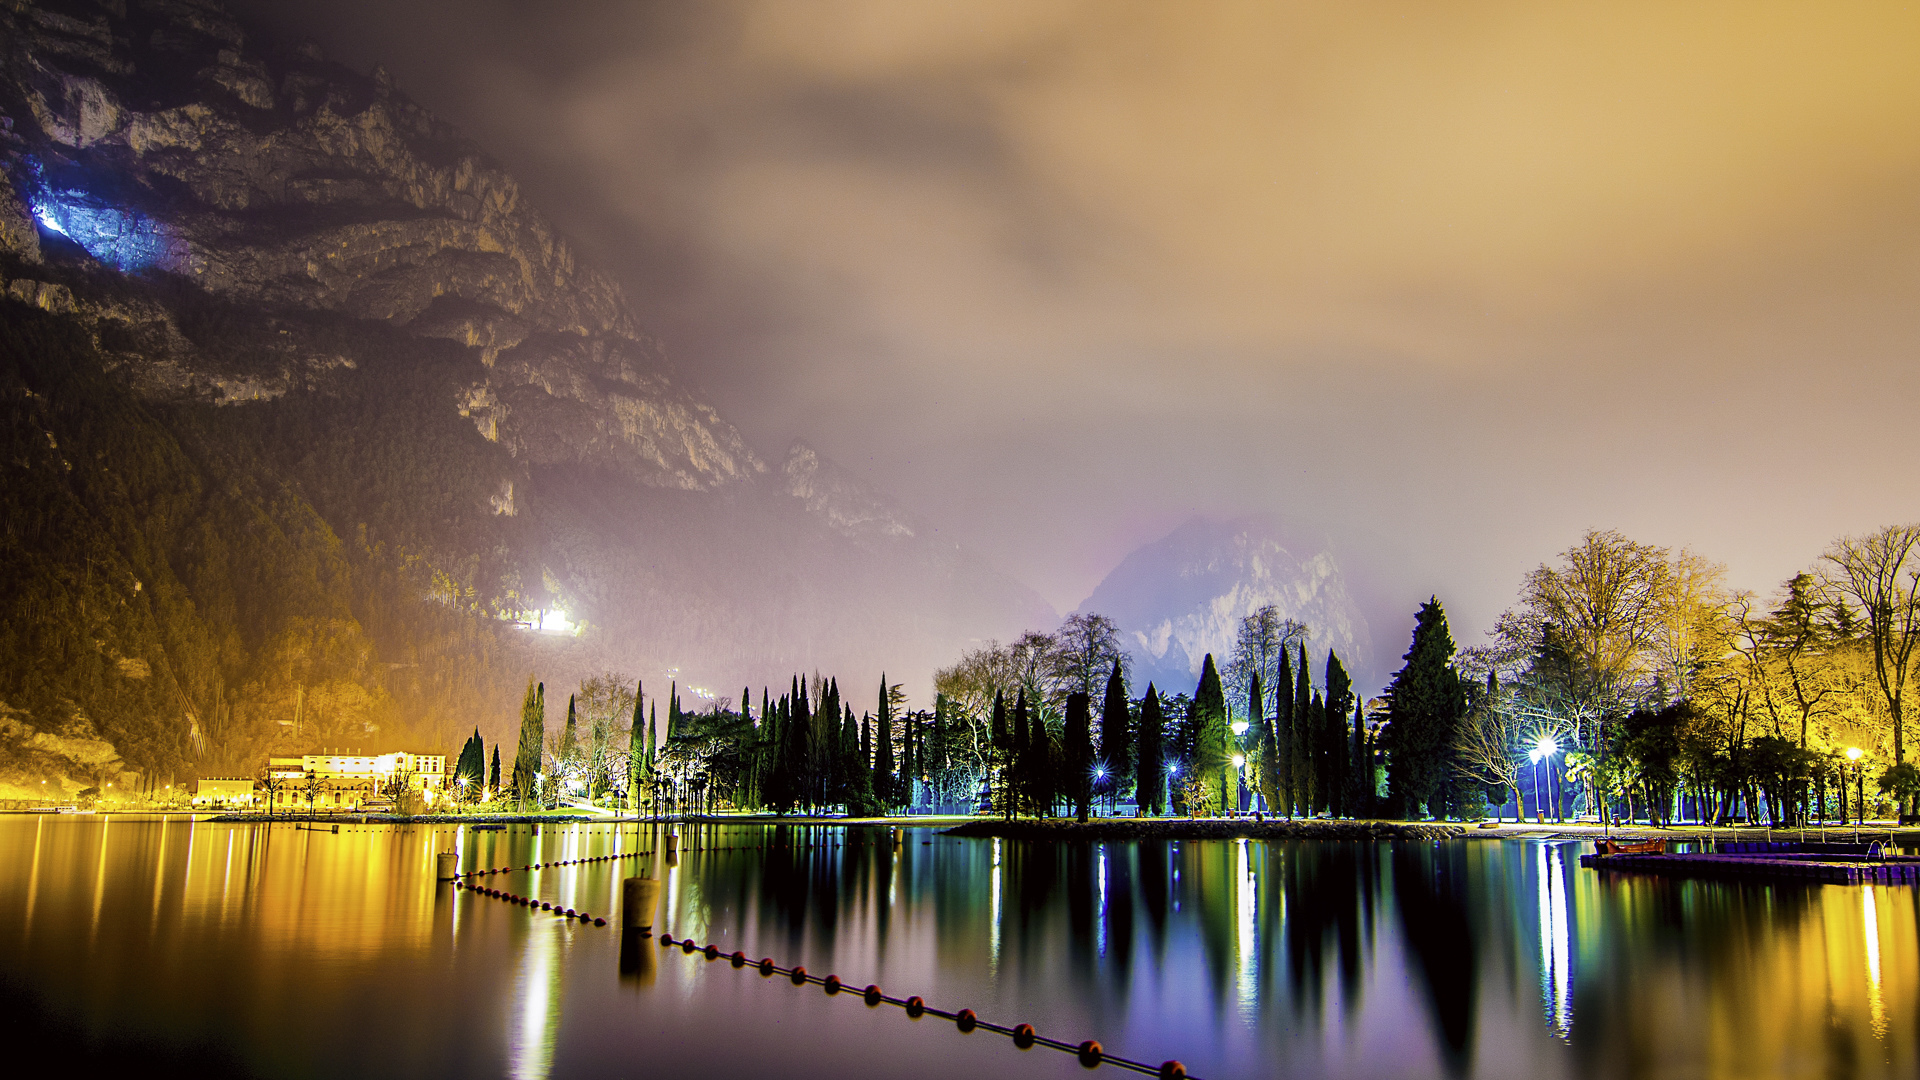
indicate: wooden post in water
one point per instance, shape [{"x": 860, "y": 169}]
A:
[
  {"x": 444, "y": 866},
  {"x": 639, "y": 898}
]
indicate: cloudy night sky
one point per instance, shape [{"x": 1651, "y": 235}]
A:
[{"x": 1446, "y": 284}]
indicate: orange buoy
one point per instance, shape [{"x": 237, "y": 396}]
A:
[
  {"x": 965, "y": 1020},
  {"x": 872, "y": 995},
  {"x": 1172, "y": 1070},
  {"x": 599, "y": 922},
  {"x": 798, "y": 975},
  {"x": 831, "y": 984},
  {"x": 712, "y": 951},
  {"x": 1023, "y": 1036},
  {"x": 687, "y": 946},
  {"x": 738, "y": 959},
  {"x": 766, "y": 965},
  {"x": 915, "y": 1006},
  {"x": 1090, "y": 1053}
]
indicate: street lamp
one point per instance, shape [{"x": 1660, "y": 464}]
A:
[
  {"x": 1544, "y": 749},
  {"x": 1239, "y": 767},
  {"x": 1854, "y": 754}
]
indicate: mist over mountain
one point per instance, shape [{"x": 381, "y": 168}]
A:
[
  {"x": 308, "y": 413},
  {"x": 1183, "y": 596}
]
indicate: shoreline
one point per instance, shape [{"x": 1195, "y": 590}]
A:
[{"x": 1058, "y": 829}]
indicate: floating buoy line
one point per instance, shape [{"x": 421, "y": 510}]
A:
[{"x": 1090, "y": 1053}]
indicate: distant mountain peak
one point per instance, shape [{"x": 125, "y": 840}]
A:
[{"x": 1181, "y": 597}]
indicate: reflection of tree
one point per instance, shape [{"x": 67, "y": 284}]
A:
[
  {"x": 1319, "y": 900},
  {"x": 1430, "y": 890}
]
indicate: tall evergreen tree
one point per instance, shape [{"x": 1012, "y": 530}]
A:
[
  {"x": 1359, "y": 797},
  {"x": 494, "y": 783},
  {"x": 884, "y": 787},
  {"x": 1023, "y": 768},
  {"x": 528, "y": 762},
  {"x": 1339, "y": 699},
  {"x": 673, "y": 710},
  {"x": 1317, "y": 724},
  {"x": 1425, "y": 702},
  {"x": 637, "y": 764},
  {"x": 1078, "y": 743},
  {"x": 1003, "y": 752},
  {"x": 1213, "y": 750},
  {"x": 1149, "y": 777},
  {"x": 937, "y": 770},
  {"x": 569, "y": 741},
  {"x": 1116, "y": 756},
  {"x": 1305, "y": 739},
  {"x": 1285, "y": 782}
]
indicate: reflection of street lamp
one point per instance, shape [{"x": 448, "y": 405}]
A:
[{"x": 1854, "y": 754}]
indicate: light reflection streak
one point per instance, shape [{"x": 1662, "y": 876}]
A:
[
  {"x": 33, "y": 876},
  {"x": 993, "y": 913},
  {"x": 1876, "y": 1003},
  {"x": 530, "y": 1052},
  {"x": 1100, "y": 920},
  {"x": 1243, "y": 903},
  {"x": 100, "y": 879},
  {"x": 159, "y": 878},
  {"x": 1556, "y": 944}
]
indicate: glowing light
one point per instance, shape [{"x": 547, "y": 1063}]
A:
[
  {"x": 1239, "y": 727},
  {"x": 120, "y": 238},
  {"x": 1853, "y": 753},
  {"x": 1174, "y": 769},
  {"x": 556, "y": 621},
  {"x": 1239, "y": 760},
  {"x": 1545, "y": 748}
]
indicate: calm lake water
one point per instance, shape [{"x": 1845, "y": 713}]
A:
[{"x": 168, "y": 946}]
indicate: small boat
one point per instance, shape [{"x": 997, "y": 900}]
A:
[{"x": 1610, "y": 846}]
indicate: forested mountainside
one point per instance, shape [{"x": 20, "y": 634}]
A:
[{"x": 307, "y": 411}]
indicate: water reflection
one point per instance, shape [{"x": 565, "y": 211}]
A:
[{"x": 1473, "y": 958}]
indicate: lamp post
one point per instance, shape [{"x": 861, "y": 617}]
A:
[
  {"x": 1543, "y": 750},
  {"x": 1239, "y": 777},
  {"x": 1854, "y": 754}
]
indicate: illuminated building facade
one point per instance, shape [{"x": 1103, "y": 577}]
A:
[
  {"x": 224, "y": 791},
  {"x": 348, "y": 780}
]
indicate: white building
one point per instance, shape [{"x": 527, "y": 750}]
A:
[{"x": 349, "y": 780}]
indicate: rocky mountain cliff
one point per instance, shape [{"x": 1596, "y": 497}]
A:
[
  {"x": 345, "y": 324},
  {"x": 1183, "y": 596}
]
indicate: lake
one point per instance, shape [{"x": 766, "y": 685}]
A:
[{"x": 177, "y": 945}]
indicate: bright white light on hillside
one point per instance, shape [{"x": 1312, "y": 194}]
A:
[
  {"x": 47, "y": 219},
  {"x": 1239, "y": 727},
  {"x": 555, "y": 621}
]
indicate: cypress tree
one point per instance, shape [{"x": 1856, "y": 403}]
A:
[
  {"x": 1078, "y": 744},
  {"x": 1317, "y": 723},
  {"x": 1149, "y": 775},
  {"x": 800, "y": 745},
  {"x": 936, "y": 774},
  {"x": 884, "y": 788},
  {"x": 637, "y": 750},
  {"x": 1359, "y": 798},
  {"x": 673, "y": 710},
  {"x": 1424, "y": 704},
  {"x": 1115, "y": 755},
  {"x": 569, "y": 737},
  {"x": 1213, "y": 752},
  {"x": 1023, "y": 784},
  {"x": 1003, "y": 751},
  {"x": 1284, "y": 780},
  {"x": 1339, "y": 697},
  {"x": 1305, "y": 741},
  {"x": 527, "y": 762},
  {"x": 494, "y": 783}
]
